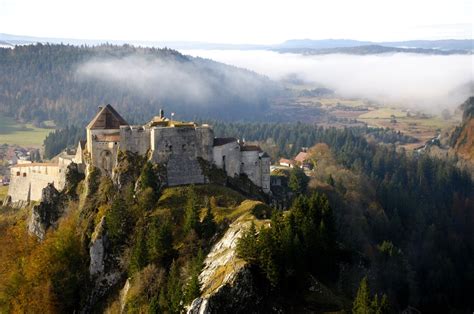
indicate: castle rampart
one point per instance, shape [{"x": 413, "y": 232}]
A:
[{"x": 174, "y": 144}]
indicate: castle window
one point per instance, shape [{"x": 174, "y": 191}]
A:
[
  {"x": 24, "y": 174},
  {"x": 18, "y": 173},
  {"x": 184, "y": 147},
  {"x": 170, "y": 148}
]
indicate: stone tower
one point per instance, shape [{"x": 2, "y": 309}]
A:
[{"x": 103, "y": 138}]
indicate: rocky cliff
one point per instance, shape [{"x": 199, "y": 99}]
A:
[
  {"x": 46, "y": 214},
  {"x": 227, "y": 283},
  {"x": 462, "y": 139}
]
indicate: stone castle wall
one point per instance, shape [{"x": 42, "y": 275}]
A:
[
  {"x": 178, "y": 148},
  {"x": 227, "y": 157},
  {"x": 135, "y": 139},
  {"x": 103, "y": 146},
  {"x": 250, "y": 166},
  {"x": 19, "y": 189},
  {"x": 265, "y": 173},
  {"x": 28, "y": 182}
]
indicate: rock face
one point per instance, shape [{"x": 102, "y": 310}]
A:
[
  {"x": 101, "y": 272},
  {"x": 97, "y": 250},
  {"x": 45, "y": 214},
  {"x": 463, "y": 136},
  {"x": 228, "y": 285}
]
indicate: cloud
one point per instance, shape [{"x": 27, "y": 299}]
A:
[
  {"x": 160, "y": 78},
  {"x": 427, "y": 82}
]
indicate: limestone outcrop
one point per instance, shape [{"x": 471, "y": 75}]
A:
[
  {"x": 102, "y": 273},
  {"x": 97, "y": 249},
  {"x": 228, "y": 284},
  {"x": 46, "y": 214}
]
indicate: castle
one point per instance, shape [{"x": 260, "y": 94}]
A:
[{"x": 177, "y": 145}]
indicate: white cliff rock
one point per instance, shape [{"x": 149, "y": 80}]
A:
[
  {"x": 103, "y": 275},
  {"x": 97, "y": 249},
  {"x": 225, "y": 279}
]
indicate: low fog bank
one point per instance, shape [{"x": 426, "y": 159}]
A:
[
  {"x": 426, "y": 82},
  {"x": 150, "y": 76},
  {"x": 189, "y": 86}
]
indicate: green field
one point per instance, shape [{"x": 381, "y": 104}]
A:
[
  {"x": 26, "y": 135},
  {"x": 383, "y": 113}
]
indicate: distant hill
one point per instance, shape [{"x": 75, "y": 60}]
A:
[
  {"x": 370, "y": 50},
  {"x": 447, "y": 44},
  {"x": 66, "y": 84}
]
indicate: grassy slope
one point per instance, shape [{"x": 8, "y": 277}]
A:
[
  {"x": 11, "y": 132},
  {"x": 230, "y": 204},
  {"x": 3, "y": 192}
]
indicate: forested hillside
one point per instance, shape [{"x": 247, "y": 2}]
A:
[
  {"x": 401, "y": 220},
  {"x": 66, "y": 84},
  {"x": 410, "y": 215}
]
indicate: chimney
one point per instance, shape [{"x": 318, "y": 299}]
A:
[{"x": 162, "y": 114}]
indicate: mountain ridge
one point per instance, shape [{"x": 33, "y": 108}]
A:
[{"x": 443, "y": 44}]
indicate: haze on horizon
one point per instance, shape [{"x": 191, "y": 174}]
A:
[
  {"x": 239, "y": 22},
  {"x": 427, "y": 82}
]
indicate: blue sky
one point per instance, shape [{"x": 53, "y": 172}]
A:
[{"x": 239, "y": 21}]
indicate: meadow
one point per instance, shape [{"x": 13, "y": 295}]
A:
[{"x": 25, "y": 135}]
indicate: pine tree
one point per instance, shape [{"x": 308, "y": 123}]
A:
[
  {"x": 174, "y": 289},
  {"x": 298, "y": 181},
  {"x": 148, "y": 178},
  {"x": 247, "y": 246},
  {"x": 139, "y": 258},
  {"x": 191, "y": 216},
  {"x": 208, "y": 225},
  {"x": 160, "y": 242},
  {"x": 362, "y": 304},
  {"x": 118, "y": 222}
]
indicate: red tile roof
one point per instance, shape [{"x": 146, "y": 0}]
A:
[
  {"x": 35, "y": 164},
  {"x": 302, "y": 157},
  {"x": 286, "y": 161},
  {"x": 108, "y": 137}
]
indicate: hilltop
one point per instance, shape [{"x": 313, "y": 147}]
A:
[{"x": 63, "y": 83}]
